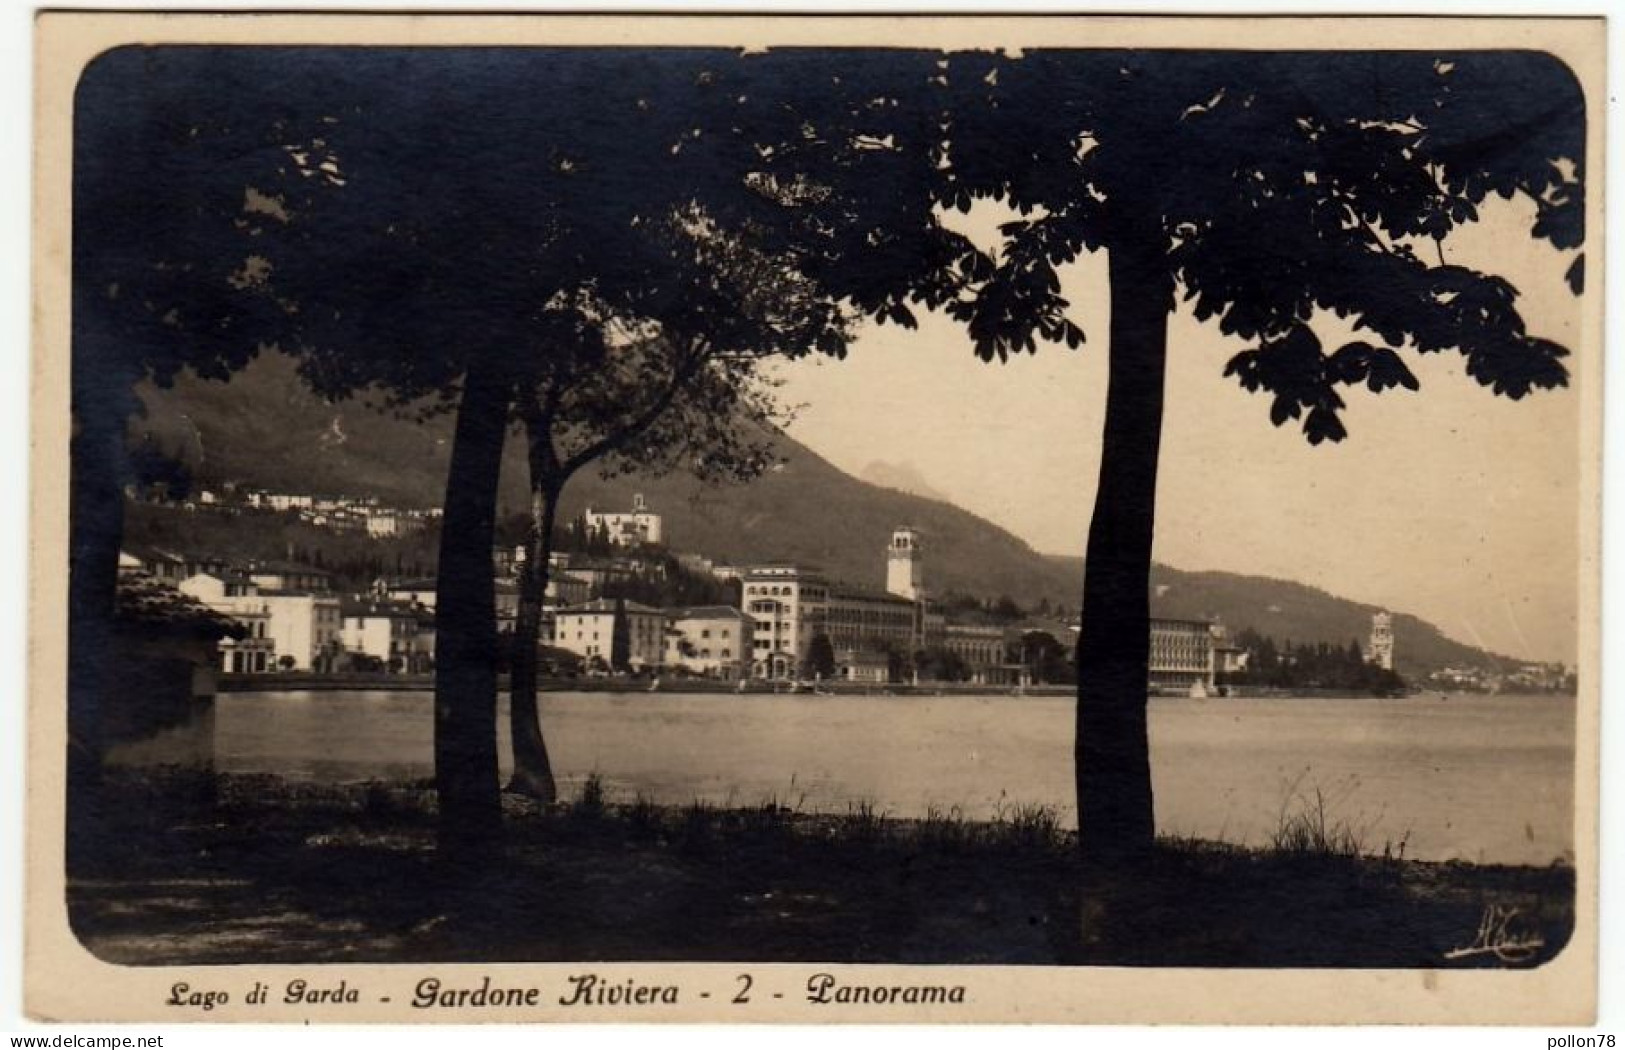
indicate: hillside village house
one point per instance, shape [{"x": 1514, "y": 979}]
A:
[
  {"x": 279, "y": 500},
  {"x": 589, "y": 631},
  {"x": 382, "y": 523},
  {"x": 711, "y": 640}
]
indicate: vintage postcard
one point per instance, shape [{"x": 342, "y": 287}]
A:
[{"x": 854, "y": 519}]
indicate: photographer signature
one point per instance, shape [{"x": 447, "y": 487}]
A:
[{"x": 1497, "y": 937}]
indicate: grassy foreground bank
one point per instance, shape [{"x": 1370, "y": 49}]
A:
[{"x": 275, "y": 870}]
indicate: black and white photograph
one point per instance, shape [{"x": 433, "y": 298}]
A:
[{"x": 796, "y": 519}]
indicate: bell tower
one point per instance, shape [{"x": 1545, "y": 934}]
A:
[
  {"x": 1381, "y": 649},
  {"x": 905, "y": 567}
]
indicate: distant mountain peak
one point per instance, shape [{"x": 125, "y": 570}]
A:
[{"x": 902, "y": 477}]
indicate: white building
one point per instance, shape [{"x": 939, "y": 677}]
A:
[
  {"x": 255, "y": 652},
  {"x": 304, "y": 629},
  {"x": 787, "y": 603},
  {"x": 387, "y": 631},
  {"x": 381, "y": 523},
  {"x": 237, "y": 596},
  {"x": 627, "y": 529},
  {"x": 1182, "y": 658},
  {"x": 589, "y": 631},
  {"x": 794, "y": 604},
  {"x": 711, "y": 640}
]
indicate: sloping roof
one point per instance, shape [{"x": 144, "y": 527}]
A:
[
  {"x": 412, "y": 585},
  {"x": 232, "y": 575},
  {"x": 357, "y": 607},
  {"x": 767, "y": 571},
  {"x": 142, "y": 603},
  {"x": 603, "y": 606},
  {"x": 864, "y": 594},
  {"x": 975, "y": 630},
  {"x": 148, "y": 553},
  {"x": 284, "y": 568}
]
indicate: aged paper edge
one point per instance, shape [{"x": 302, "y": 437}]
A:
[{"x": 60, "y": 974}]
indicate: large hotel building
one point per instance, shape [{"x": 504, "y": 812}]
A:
[{"x": 792, "y": 604}]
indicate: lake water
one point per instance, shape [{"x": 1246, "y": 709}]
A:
[{"x": 1479, "y": 778}]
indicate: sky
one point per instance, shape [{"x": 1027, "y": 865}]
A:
[{"x": 1449, "y": 503}]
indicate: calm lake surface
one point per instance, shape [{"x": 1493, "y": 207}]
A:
[{"x": 1481, "y": 778}]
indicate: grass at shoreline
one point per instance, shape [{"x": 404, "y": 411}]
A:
[{"x": 277, "y": 870}]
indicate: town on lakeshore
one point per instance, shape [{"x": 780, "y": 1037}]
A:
[{"x": 772, "y": 626}]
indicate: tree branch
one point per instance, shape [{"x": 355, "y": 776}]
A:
[{"x": 617, "y": 438}]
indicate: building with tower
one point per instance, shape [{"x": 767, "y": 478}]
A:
[
  {"x": 1381, "y": 649},
  {"x": 628, "y": 529},
  {"x": 905, "y": 566}
]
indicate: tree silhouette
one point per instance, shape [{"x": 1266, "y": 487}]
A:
[
  {"x": 404, "y": 220},
  {"x": 680, "y": 389},
  {"x": 161, "y": 245},
  {"x": 620, "y": 638},
  {"x": 1266, "y": 189},
  {"x": 496, "y": 224},
  {"x": 820, "y": 658}
]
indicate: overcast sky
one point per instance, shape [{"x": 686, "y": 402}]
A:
[{"x": 1450, "y": 503}]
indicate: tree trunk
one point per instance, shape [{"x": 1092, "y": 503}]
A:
[
  {"x": 1111, "y": 749},
  {"x": 532, "y": 770},
  {"x": 465, "y": 751},
  {"x": 102, "y": 400}
]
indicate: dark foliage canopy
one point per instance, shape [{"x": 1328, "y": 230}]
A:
[
  {"x": 401, "y": 208},
  {"x": 1281, "y": 186}
]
